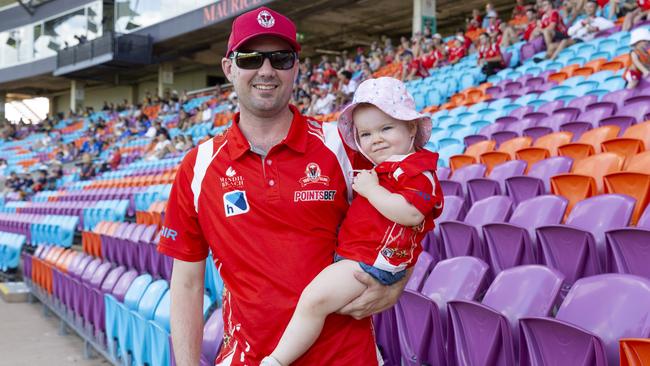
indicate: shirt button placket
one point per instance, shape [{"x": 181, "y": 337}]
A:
[{"x": 272, "y": 179}]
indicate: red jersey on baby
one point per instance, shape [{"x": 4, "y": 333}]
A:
[{"x": 369, "y": 237}]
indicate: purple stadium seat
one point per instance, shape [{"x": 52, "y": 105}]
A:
[
  {"x": 145, "y": 248},
  {"x": 465, "y": 238},
  {"x": 78, "y": 288},
  {"x": 420, "y": 271},
  {"x": 637, "y": 107},
  {"x": 628, "y": 248},
  {"x": 506, "y": 120},
  {"x": 504, "y": 135},
  {"x": 577, "y": 248},
  {"x": 513, "y": 243},
  {"x": 472, "y": 139},
  {"x": 618, "y": 97},
  {"x": 212, "y": 338},
  {"x": 535, "y": 81},
  {"x": 70, "y": 278},
  {"x": 597, "y": 312},
  {"x": 458, "y": 278},
  {"x": 521, "y": 111},
  {"x": 550, "y": 107},
  {"x": 120, "y": 251},
  {"x": 443, "y": 172},
  {"x": 109, "y": 252},
  {"x": 94, "y": 283},
  {"x": 537, "y": 182},
  {"x": 456, "y": 186},
  {"x": 96, "y": 302},
  {"x": 453, "y": 210},
  {"x": 547, "y": 125},
  {"x": 571, "y": 112},
  {"x": 420, "y": 330},
  {"x": 486, "y": 333},
  {"x": 385, "y": 324},
  {"x": 494, "y": 185},
  {"x": 130, "y": 246},
  {"x": 582, "y": 102},
  {"x": 621, "y": 121}
]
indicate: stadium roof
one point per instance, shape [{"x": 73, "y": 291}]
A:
[{"x": 324, "y": 24}]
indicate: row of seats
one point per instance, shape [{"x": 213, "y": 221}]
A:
[
  {"x": 108, "y": 210},
  {"x": 10, "y": 247},
  {"x": 439, "y": 320}
]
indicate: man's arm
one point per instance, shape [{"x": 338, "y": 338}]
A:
[
  {"x": 186, "y": 314},
  {"x": 376, "y": 298}
]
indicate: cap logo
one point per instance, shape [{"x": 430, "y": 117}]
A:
[{"x": 265, "y": 19}]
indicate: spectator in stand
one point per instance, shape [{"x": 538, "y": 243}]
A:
[
  {"x": 456, "y": 51},
  {"x": 412, "y": 67},
  {"x": 640, "y": 59},
  {"x": 575, "y": 10},
  {"x": 161, "y": 146},
  {"x": 475, "y": 21},
  {"x": 641, "y": 13},
  {"x": 86, "y": 167},
  {"x": 489, "y": 55},
  {"x": 40, "y": 181},
  {"x": 507, "y": 35},
  {"x": 12, "y": 183},
  {"x": 489, "y": 12},
  {"x": 553, "y": 30},
  {"x": 493, "y": 29},
  {"x": 322, "y": 101},
  {"x": 533, "y": 28},
  {"x": 115, "y": 158},
  {"x": 91, "y": 146},
  {"x": 466, "y": 42},
  {"x": 520, "y": 10},
  {"x": 206, "y": 113},
  {"x": 55, "y": 173},
  {"x": 585, "y": 29}
]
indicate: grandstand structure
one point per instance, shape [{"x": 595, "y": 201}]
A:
[{"x": 539, "y": 258}]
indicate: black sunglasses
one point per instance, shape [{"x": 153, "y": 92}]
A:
[{"x": 280, "y": 60}]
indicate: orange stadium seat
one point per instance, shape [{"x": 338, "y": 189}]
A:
[
  {"x": 633, "y": 181},
  {"x": 505, "y": 152},
  {"x": 589, "y": 143},
  {"x": 634, "y": 351},
  {"x": 558, "y": 77},
  {"x": 472, "y": 154},
  {"x": 634, "y": 140},
  {"x": 586, "y": 178},
  {"x": 584, "y": 71},
  {"x": 544, "y": 147}
]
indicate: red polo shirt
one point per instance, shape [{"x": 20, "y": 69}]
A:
[
  {"x": 271, "y": 224},
  {"x": 551, "y": 17},
  {"x": 369, "y": 237}
]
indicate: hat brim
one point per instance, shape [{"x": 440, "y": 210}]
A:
[
  {"x": 424, "y": 125},
  {"x": 292, "y": 42}
]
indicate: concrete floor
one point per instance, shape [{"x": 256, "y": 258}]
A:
[{"x": 28, "y": 338}]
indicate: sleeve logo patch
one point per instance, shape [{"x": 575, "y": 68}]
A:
[{"x": 235, "y": 203}]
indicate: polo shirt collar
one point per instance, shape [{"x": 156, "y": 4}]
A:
[{"x": 296, "y": 139}]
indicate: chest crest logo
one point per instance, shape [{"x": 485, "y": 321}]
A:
[
  {"x": 313, "y": 176},
  {"x": 231, "y": 180}
]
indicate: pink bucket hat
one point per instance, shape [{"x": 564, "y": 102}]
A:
[{"x": 389, "y": 95}]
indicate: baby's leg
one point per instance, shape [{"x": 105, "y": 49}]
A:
[{"x": 332, "y": 289}]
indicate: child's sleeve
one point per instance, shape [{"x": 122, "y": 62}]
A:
[{"x": 423, "y": 191}]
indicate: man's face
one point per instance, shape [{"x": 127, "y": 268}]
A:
[
  {"x": 264, "y": 92},
  {"x": 590, "y": 9}
]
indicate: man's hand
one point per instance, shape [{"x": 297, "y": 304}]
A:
[{"x": 376, "y": 298}]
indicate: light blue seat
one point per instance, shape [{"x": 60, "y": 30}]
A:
[
  {"x": 477, "y": 107},
  {"x": 442, "y": 143},
  {"x": 573, "y": 81},
  {"x": 462, "y": 132},
  {"x": 448, "y": 151},
  {"x": 536, "y": 103},
  {"x": 613, "y": 84},
  {"x": 136, "y": 342},
  {"x": 158, "y": 333},
  {"x": 566, "y": 98},
  {"x": 213, "y": 281},
  {"x": 554, "y": 66},
  {"x": 601, "y": 76},
  {"x": 525, "y": 99},
  {"x": 499, "y": 103},
  {"x": 117, "y": 314}
]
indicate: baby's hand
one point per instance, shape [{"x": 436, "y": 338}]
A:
[{"x": 365, "y": 181}]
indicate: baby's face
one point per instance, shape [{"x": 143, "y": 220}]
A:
[{"x": 381, "y": 136}]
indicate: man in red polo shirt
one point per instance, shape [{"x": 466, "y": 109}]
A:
[{"x": 266, "y": 198}]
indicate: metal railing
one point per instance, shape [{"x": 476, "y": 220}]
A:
[{"x": 129, "y": 48}]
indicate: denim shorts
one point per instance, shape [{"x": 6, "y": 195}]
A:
[{"x": 384, "y": 277}]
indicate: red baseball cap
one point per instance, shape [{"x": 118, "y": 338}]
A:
[{"x": 259, "y": 22}]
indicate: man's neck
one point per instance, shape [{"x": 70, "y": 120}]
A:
[{"x": 265, "y": 132}]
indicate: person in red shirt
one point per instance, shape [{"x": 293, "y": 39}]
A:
[
  {"x": 642, "y": 12},
  {"x": 456, "y": 51},
  {"x": 489, "y": 55},
  {"x": 553, "y": 30},
  {"x": 519, "y": 11},
  {"x": 396, "y": 204},
  {"x": 533, "y": 29},
  {"x": 412, "y": 67},
  {"x": 266, "y": 198}
]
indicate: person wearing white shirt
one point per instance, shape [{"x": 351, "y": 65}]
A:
[{"x": 585, "y": 29}]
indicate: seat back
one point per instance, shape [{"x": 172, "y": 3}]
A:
[
  {"x": 639, "y": 163},
  {"x": 507, "y": 170},
  {"x": 151, "y": 297},
  {"x": 547, "y": 168},
  {"x": 458, "y": 278},
  {"x": 161, "y": 315},
  {"x": 551, "y": 141},
  {"x": 468, "y": 172},
  {"x": 453, "y": 209},
  {"x": 123, "y": 284},
  {"x": 539, "y": 211},
  {"x": 635, "y": 351},
  {"x": 479, "y": 148},
  {"x": 596, "y": 136},
  {"x": 640, "y": 131},
  {"x": 136, "y": 290},
  {"x": 212, "y": 337},
  {"x": 111, "y": 279},
  {"x": 99, "y": 275},
  {"x": 420, "y": 271},
  {"x": 597, "y": 166},
  {"x": 487, "y": 210},
  {"x": 612, "y": 306},
  {"x": 90, "y": 270},
  {"x": 511, "y": 146}
]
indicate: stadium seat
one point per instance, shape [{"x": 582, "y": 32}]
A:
[
  {"x": 513, "y": 243},
  {"x": 595, "y": 315},
  {"x": 487, "y": 332},
  {"x": 633, "y": 181},
  {"x": 454, "y": 210},
  {"x": 465, "y": 238},
  {"x": 213, "y": 333},
  {"x": 505, "y": 152},
  {"x": 95, "y": 307},
  {"x": 420, "y": 330},
  {"x": 494, "y": 183},
  {"x": 421, "y": 270},
  {"x": 140, "y": 348},
  {"x": 634, "y": 140},
  {"x": 586, "y": 177},
  {"x": 471, "y": 154},
  {"x": 589, "y": 143},
  {"x": 635, "y": 351},
  {"x": 544, "y": 147},
  {"x": 577, "y": 248},
  {"x": 627, "y": 248},
  {"x": 456, "y": 185}
]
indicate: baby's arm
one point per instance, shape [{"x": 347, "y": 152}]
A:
[{"x": 392, "y": 205}]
